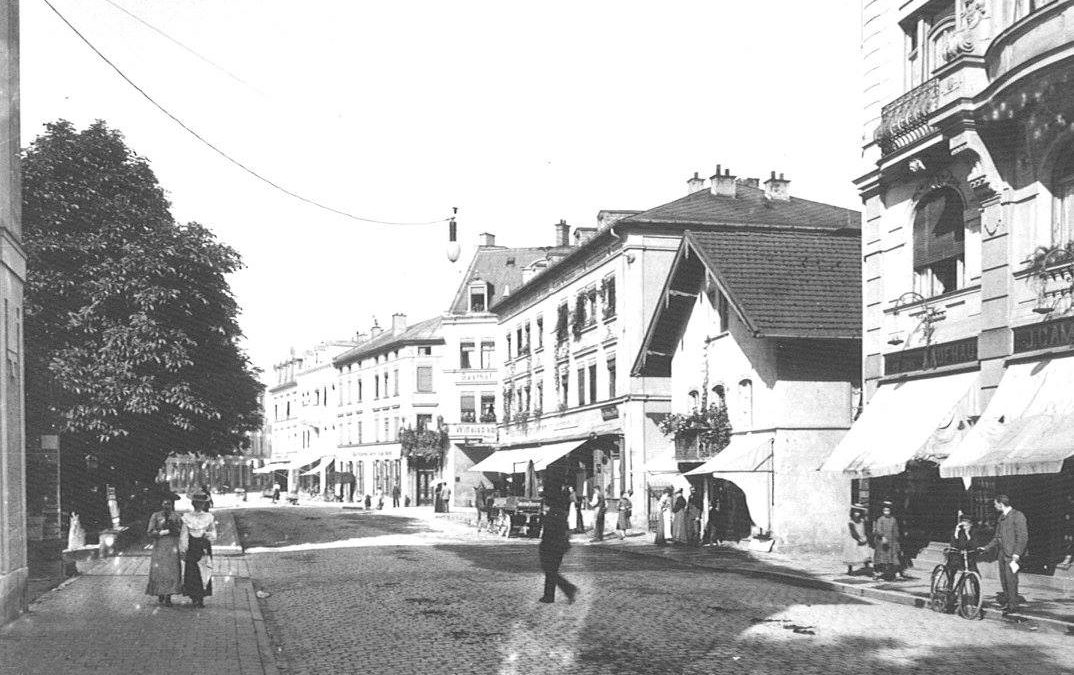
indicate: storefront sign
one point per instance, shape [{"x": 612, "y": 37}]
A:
[
  {"x": 933, "y": 356},
  {"x": 1058, "y": 333},
  {"x": 479, "y": 432},
  {"x": 484, "y": 376},
  {"x": 609, "y": 412}
]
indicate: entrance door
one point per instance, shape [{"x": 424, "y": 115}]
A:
[{"x": 425, "y": 487}]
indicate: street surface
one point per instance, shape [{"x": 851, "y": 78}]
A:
[{"x": 356, "y": 592}]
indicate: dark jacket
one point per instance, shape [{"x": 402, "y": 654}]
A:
[
  {"x": 1012, "y": 535},
  {"x": 678, "y": 505},
  {"x": 555, "y": 538}
]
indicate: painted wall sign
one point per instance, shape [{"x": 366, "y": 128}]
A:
[
  {"x": 609, "y": 412},
  {"x": 1058, "y": 333},
  {"x": 933, "y": 356}
]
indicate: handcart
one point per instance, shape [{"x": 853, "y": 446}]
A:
[{"x": 516, "y": 516}]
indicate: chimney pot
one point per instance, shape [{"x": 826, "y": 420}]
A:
[
  {"x": 486, "y": 239},
  {"x": 563, "y": 233},
  {"x": 722, "y": 185},
  {"x": 777, "y": 189},
  {"x": 694, "y": 184}
]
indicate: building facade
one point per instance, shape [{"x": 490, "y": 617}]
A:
[{"x": 968, "y": 168}]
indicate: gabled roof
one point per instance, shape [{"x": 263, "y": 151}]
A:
[
  {"x": 749, "y": 206},
  {"x": 424, "y": 332},
  {"x": 502, "y": 268},
  {"x": 781, "y": 282}
]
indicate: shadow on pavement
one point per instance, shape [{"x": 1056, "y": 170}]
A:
[{"x": 289, "y": 526}]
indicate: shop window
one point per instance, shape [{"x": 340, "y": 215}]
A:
[
  {"x": 488, "y": 352},
  {"x": 1063, "y": 199},
  {"x": 467, "y": 412},
  {"x": 425, "y": 379},
  {"x": 466, "y": 355},
  {"x": 939, "y": 243}
]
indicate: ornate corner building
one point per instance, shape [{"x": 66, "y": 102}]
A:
[{"x": 968, "y": 186}]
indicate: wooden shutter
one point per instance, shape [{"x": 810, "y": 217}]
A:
[{"x": 939, "y": 233}]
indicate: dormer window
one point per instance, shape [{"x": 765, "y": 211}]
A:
[{"x": 479, "y": 296}]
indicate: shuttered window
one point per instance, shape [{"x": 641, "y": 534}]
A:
[{"x": 939, "y": 233}]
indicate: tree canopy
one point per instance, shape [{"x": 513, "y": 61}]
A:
[{"x": 131, "y": 329}]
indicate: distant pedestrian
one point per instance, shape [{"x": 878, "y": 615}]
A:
[
  {"x": 693, "y": 518},
  {"x": 368, "y": 502},
  {"x": 479, "y": 499},
  {"x": 887, "y": 550},
  {"x": 165, "y": 574},
  {"x": 380, "y": 499},
  {"x": 275, "y": 492},
  {"x": 856, "y": 549},
  {"x": 1011, "y": 539},
  {"x": 555, "y": 541},
  {"x": 600, "y": 507},
  {"x": 622, "y": 522},
  {"x": 195, "y": 544},
  {"x": 663, "y": 518},
  {"x": 678, "y": 518},
  {"x": 576, "y": 506},
  {"x": 445, "y": 498},
  {"x": 395, "y": 495},
  {"x": 438, "y": 498}
]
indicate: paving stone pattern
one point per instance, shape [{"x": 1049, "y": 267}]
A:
[{"x": 433, "y": 603}]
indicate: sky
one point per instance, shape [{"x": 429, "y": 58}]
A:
[{"x": 519, "y": 114}]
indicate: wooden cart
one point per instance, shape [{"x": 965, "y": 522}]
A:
[{"x": 516, "y": 516}]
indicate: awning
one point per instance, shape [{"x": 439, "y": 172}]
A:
[
  {"x": 273, "y": 466},
  {"x": 746, "y": 453},
  {"x": 904, "y": 420},
  {"x": 516, "y": 460},
  {"x": 317, "y": 468},
  {"x": 1027, "y": 428}
]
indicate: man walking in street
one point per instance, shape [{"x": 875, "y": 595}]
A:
[
  {"x": 395, "y": 496},
  {"x": 555, "y": 540},
  {"x": 1012, "y": 536}
]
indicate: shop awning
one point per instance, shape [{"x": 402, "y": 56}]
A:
[
  {"x": 272, "y": 466},
  {"x": 748, "y": 453},
  {"x": 515, "y": 460},
  {"x": 903, "y": 421},
  {"x": 1027, "y": 428},
  {"x": 317, "y": 468}
]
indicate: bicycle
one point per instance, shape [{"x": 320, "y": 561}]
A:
[{"x": 964, "y": 596}]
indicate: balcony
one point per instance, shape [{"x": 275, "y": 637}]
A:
[
  {"x": 906, "y": 119},
  {"x": 1039, "y": 34}
]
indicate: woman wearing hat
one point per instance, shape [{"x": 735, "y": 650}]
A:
[
  {"x": 195, "y": 543},
  {"x": 164, "y": 574},
  {"x": 678, "y": 518},
  {"x": 886, "y": 556},
  {"x": 856, "y": 549}
]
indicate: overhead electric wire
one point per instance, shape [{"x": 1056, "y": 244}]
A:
[{"x": 219, "y": 151}]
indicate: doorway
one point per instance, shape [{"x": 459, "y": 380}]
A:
[{"x": 424, "y": 494}]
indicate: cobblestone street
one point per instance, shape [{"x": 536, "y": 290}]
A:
[{"x": 401, "y": 594}]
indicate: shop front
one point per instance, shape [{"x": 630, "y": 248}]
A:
[{"x": 371, "y": 472}]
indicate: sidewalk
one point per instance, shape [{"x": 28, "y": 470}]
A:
[{"x": 102, "y": 621}]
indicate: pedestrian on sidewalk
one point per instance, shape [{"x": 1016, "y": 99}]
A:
[
  {"x": 438, "y": 498},
  {"x": 576, "y": 506},
  {"x": 693, "y": 518},
  {"x": 678, "y": 519},
  {"x": 195, "y": 544},
  {"x": 856, "y": 549},
  {"x": 164, "y": 569},
  {"x": 663, "y": 521},
  {"x": 479, "y": 499},
  {"x": 1012, "y": 537},
  {"x": 600, "y": 507},
  {"x": 275, "y": 492},
  {"x": 395, "y": 495},
  {"x": 622, "y": 522},
  {"x": 887, "y": 554},
  {"x": 380, "y": 499},
  {"x": 555, "y": 540},
  {"x": 445, "y": 498}
]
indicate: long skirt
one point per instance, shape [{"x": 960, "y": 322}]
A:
[
  {"x": 623, "y": 520},
  {"x": 197, "y": 578},
  {"x": 661, "y": 531},
  {"x": 164, "y": 572},
  {"x": 678, "y": 527}
]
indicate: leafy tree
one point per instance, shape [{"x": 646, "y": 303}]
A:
[{"x": 131, "y": 328}]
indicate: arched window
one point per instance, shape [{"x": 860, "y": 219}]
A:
[
  {"x": 1063, "y": 195},
  {"x": 720, "y": 395},
  {"x": 694, "y": 398},
  {"x": 745, "y": 398},
  {"x": 939, "y": 243}
]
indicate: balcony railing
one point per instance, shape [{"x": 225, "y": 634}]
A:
[{"x": 906, "y": 119}]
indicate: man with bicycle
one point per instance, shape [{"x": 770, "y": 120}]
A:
[
  {"x": 1012, "y": 537},
  {"x": 965, "y": 538}
]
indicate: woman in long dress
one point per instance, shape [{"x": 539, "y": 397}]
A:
[
  {"x": 195, "y": 543},
  {"x": 678, "y": 518},
  {"x": 663, "y": 522},
  {"x": 622, "y": 522},
  {"x": 886, "y": 558},
  {"x": 856, "y": 549},
  {"x": 164, "y": 570}
]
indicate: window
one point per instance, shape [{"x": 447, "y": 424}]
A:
[
  {"x": 592, "y": 382},
  {"x": 507, "y": 356},
  {"x": 611, "y": 377},
  {"x": 521, "y": 347},
  {"x": 526, "y": 337},
  {"x": 425, "y": 379},
  {"x": 359, "y": 431},
  {"x": 395, "y": 379},
  {"x": 488, "y": 352},
  {"x": 479, "y": 297},
  {"x": 467, "y": 412},
  {"x": 562, "y": 320},
  {"x": 424, "y": 351},
  {"x": 376, "y": 387},
  {"x": 538, "y": 401},
  {"x": 386, "y": 436},
  {"x": 540, "y": 332},
  {"x": 376, "y": 430},
  {"x": 609, "y": 297},
  {"x": 581, "y": 386},
  {"x": 359, "y": 390},
  {"x": 939, "y": 243},
  {"x": 564, "y": 386},
  {"x": 466, "y": 355},
  {"x": 1063, "y": 194},
  {"x": 745, "y": 398},
  {"x": 488, "y": 407}
]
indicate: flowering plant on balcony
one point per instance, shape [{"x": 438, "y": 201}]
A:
[
  {"x": 423, "y": 443},
  {"x": 521, "y": 417},
  {"x": 488, "y": 417},
  {"x": 709, "y": 424},
  {"x": 1045, "y": 257},
  {"x": 537, "y": 412}
]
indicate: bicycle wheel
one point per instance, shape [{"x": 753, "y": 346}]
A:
[
  {"x": 968, "y": 596},
  {"x": 939, "y": 589}
]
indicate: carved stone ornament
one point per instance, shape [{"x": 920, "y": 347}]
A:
[
  {"x": 938, "y": 180},
  {"x": 973, "y": 12},
  {"x": 916, "y": 166}
]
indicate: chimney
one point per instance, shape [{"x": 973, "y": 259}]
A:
[
  {"x": 583, "y": 234},
  {"x": 486, "y": 239},
  {"x": 751, "y": 182},
  {"x": 361, "y": 337},
  {"x": 375, "y": 330},
  {"x": 563, "y": 233},
  {"x": 398, "y": 323},
  {"x": 722, "y": 185},
  {"x": 777, "y": 189},
  {"x": 694, "y": 184}
]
